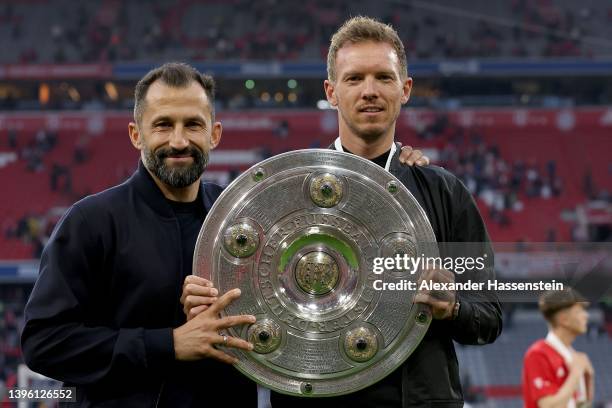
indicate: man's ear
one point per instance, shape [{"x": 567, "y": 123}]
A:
[
  {"x": 215, "y": 135},
  {"x": 406, "y": 88},
  {"x": 330, "y": 92},
  {"x": 135, "y": 137}
]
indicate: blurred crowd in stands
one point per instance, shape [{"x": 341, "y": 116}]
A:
[
  {"x": 35, "y": 228},
  {"x": 43, "y": 142},
  {"x": 498, "y": 183},
  {"x": 149, "y": 31},
  {"x": 502, "y": 186},
  {"x": 96, "y": 31},
  {"x": 12, "y": 303}
]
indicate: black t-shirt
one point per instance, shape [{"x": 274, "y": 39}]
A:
[
  {"x": 190, "y": 217},
  {"x": 188, "y": 377},
  {"x": 380, "y": 160}
]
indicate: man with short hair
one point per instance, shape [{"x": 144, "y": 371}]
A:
[
  {"x": 105, "y": 315},
  {"x": 554, "y": 374},
  {"x": 368, "y": 83}
]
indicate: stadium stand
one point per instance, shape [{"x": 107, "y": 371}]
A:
[
  {"x": 524, "y": 184},
  {"x": 113, "y": 30}
]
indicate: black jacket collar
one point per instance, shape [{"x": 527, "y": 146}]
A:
[{"x": 145, "y": 185}]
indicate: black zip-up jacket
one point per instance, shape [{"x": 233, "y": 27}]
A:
[
  {"x": 430, "y": 376},
  {"x": 101, "y": 314}
]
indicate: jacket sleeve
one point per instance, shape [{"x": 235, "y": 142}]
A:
[
  {"x": 480, "y": 317},
  {"x": 60, "y": 338}
]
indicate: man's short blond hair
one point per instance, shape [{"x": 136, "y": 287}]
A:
[{"x": 360, "y": 29}]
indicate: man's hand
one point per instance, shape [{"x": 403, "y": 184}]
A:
[
  {"x": 582, "y": 364},
  {"x": 580, "y": 368},
  {"x": 198, "y": 294},
  {"x": 197, "y": 338},
  {"x": 411, "y": 156},
  {"x": 442, "y": 302}
]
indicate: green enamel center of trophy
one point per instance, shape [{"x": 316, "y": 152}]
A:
[
  {"x": 316, "y": 273},
  {"x": 325, "y": 240}
]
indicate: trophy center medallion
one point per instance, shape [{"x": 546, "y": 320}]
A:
[{"x": 316, "y": 273}]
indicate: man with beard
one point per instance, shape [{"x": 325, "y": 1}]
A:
[{"x": 104, "y": 315}]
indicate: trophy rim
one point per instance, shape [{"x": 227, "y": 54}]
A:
[{"x": 346, "y": 382}]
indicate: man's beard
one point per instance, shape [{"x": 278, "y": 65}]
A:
[{"x": 180, "y": 176}]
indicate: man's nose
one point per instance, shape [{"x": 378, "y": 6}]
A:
[
  {"x": 370, "y": 90},
  {"x": 178, "y": 139}
]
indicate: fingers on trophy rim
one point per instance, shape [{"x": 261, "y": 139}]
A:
[
  {"x": 193, "y": 289},
  {"x": 199, "y": 282},
  {"x": 224, "y": 300},
  {"x": 231, "y": 321},
  {"x": 192, "y": 301},
  {"x": 223, "y": 357}
]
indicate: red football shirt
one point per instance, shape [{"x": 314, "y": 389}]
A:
[{"x": 544, "y": 372}]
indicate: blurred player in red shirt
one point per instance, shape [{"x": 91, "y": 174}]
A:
[{"x": 554, "y": 374}]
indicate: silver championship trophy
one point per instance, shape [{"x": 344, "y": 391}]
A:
[{"x": 299, "y": 234}]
